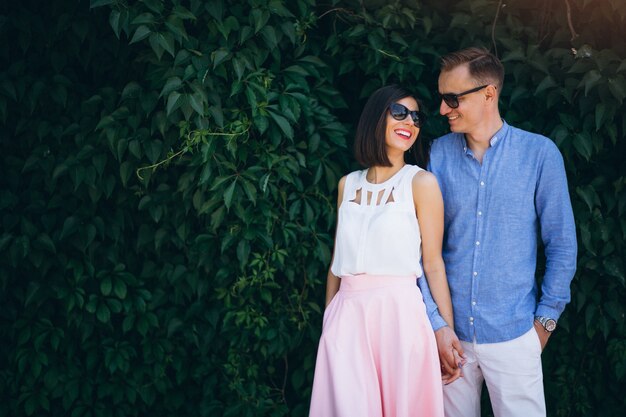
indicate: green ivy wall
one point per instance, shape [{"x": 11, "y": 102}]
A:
[{"x": 168, "y": 185}]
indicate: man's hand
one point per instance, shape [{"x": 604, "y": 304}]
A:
[
  {"x": 541, "y": 332},
  {"x": 451, "y": 354}
]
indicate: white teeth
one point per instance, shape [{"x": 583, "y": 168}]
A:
[
  {"x": 453, "y": 118},
  {"x": 403, "y": 133}
]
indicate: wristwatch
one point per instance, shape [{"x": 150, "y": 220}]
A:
[{"x": 548, "y": 324}]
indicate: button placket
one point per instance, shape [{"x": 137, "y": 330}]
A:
[{"x": 480, "y": 204}]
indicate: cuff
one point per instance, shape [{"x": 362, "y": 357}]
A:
[
  {"x": 549, "y": 312},
  {"x": 437, "y": 322}
]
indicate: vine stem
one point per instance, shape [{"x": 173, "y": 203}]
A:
[
  {"x": 493, "y": 28},
  {"x": 155, "y": 166},
  {"x": 183, "y": 150},
  {"x": 569, "y": 21},
  {"x": 337, "y": 9}
]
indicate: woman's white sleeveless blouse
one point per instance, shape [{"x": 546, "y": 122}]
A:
[{"x": 378, "y": 232}]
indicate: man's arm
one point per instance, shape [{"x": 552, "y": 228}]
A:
[
  {"x": 451, "y": 354},
  {"x": 558, "y": 233}
]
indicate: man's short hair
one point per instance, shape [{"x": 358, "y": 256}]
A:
[{"x": 482, "y": 64}]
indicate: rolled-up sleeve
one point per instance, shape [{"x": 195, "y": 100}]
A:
[{"x": 436, "y": 321}]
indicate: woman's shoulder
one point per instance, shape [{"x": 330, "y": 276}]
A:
[{"x": 423, "y": 179}]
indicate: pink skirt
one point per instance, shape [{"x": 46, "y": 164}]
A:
[{"x": 377, "y": 355}]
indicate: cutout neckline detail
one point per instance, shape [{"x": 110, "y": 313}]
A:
[{"x": 384, "y": 183}]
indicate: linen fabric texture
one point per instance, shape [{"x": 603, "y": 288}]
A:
[{"x": 494, "y": 214}]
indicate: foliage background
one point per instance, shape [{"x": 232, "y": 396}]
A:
[{"x": 168, "y": 188}]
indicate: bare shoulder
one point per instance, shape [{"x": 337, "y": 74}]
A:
[
  {"x": 424, "y": 180},
  {"x": 342, "y": 184},
  {"x": 340, "y": 187},
  {"x": 426, "y": 192}
]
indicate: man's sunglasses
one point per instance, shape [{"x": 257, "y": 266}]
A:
[
  {"x": 452, "y": 100},
  {"x": 399, "y": 112}
]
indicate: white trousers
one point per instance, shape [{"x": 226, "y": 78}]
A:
[{"x": 513, "y": 375}]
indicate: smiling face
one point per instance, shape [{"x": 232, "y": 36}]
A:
[
  {"x": 400, "y": 135},
  {"x": 472, "y": 109}
]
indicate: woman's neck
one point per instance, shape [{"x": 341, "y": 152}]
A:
[{"x": 380, "y": 174}]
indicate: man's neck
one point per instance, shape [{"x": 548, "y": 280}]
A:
[{"x": 479, "y": 140}]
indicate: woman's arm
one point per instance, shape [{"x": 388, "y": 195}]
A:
[
  {"x": 429, "y": 208},
  {"x": 333, "y": 282}
]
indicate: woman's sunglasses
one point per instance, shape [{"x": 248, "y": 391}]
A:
[
  {"x": 399, "y": 112},
  {"x": 452, "y": 100}
]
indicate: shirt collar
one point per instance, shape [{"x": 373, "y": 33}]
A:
[
  {"x": 500, "y": 134},
  {"x": 495, "y": 139}
]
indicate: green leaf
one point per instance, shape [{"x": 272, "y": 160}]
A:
[
  {"x": 153, "y": 150},
  {"x": 106, "y": 286},
  {"x": 99, "y": 3},
  {"x": 197, "y": 103},
  {"x": 174, "y": 101},
  {"x": 589, "y": 195},
  {"x": 103, "y": 313},
  {"x": 176, "y": 26},
  {"x": 546, "y": 83},
  {"x": 258, "y": 19},
  {"x": 114, "y": 21},
  {"x": 126, "y": 170},
  {"x": 590, "y": 80},
  {"x": 120, "y": 289},
  {"x": 143, "y": 19},
  {"x": 617, "y": 86},
  {"x": 70, "y": 225},
  {"x": 269, "y": 36},
  {"x": 228, "y": 194},
  {"x": 141, "y": 33},
  {"x": 172, "y": 84},
  {"x": 46, "y": 242},
  {"x": 215, "y": 9},
  {"x": 156, "y": 46},
  {"x": 600, "y": 111},
  {"x": 243, "y": 252},
  {"x": 166, "y": 40},
  {"x": 282, "y": 123},
  {"x": 277, "y": 7},
  {"x": 583, "y": 144},
  {"x": 219, "y": 56}
]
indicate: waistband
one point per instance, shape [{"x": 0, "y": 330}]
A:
[{"x": 368, "y": 282}]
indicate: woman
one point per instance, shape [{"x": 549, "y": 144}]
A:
[{"x": 377, "y": 354}]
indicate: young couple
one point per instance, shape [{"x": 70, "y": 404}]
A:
[{"x": 502, "y": 188}]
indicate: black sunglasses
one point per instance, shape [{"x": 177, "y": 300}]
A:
[
  {"x": 452, "y": 100},
  {"x": 400, "y": 112}
]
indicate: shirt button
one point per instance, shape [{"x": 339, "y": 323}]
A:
[
  {"x": 482, "y": 183},
  {"x": 480, "y": 213},
  {"x": 473, "y": 303},
  {"x": 477, "y": 243},
  {"x": 475, "y": 273}
]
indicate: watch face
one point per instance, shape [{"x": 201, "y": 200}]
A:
[{"x": 550, "y": 325}]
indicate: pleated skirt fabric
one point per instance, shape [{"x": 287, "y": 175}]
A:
[{"x": 377, "y": 355}]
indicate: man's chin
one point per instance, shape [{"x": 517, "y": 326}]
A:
[{"x": 454, "y": 128}]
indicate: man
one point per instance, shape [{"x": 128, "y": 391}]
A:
[{"x": 503, "y": 189}]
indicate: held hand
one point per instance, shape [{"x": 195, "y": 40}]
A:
[
  {"x": 542, "y": 333},
  {"x": 448, "y": 378},
  {"x": 451, "y": 354}
]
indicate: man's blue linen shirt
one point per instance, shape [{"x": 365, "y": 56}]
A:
[{"x": 494, "y": 215}]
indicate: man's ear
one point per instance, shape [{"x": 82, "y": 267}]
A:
[{"x": 491, "y": 93}]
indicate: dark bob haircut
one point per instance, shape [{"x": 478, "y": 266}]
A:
[{"x": 369, "y": 142}]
